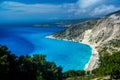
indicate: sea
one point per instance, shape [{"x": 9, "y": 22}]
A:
[{"x": 29, "y": 40}]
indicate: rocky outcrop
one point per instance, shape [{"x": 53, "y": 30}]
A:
[
  {"x": 103, "y": 35},
  {"x": 100, "y": 32}
]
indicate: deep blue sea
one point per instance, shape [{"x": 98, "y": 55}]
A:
[{"x": 31, "y": 40}]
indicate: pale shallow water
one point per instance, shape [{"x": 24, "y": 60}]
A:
[{"x": 31, "y": 40}]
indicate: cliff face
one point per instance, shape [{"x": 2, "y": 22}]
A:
[{"x": 103, "y": 33}]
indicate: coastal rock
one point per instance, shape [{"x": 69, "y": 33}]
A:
[
  {"x": 101, "y": 34},
  {"x": 98, "y": 32}
]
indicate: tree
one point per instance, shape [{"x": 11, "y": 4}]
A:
[
  {"x": 109, "y": 65},
  {"x": 27, "y": 67}
]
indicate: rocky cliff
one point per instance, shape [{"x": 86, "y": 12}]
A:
[{"x": 103, "y": 33}]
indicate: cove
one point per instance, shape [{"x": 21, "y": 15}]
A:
[{"x": 31, "y": 40}]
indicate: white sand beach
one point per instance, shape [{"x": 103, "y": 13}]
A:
[{"x": 93, "y": 62}]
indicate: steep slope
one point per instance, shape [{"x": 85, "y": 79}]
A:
[
  {"x": 103, "y": 35},
  {"x": 102, "y": 32},
  {"x": 75, "y": 32}
]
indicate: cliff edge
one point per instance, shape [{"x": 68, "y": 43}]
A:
[{"x": 103, "y": 34}]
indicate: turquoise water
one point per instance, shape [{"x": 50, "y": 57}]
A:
[{"x": 31, "y": 40}]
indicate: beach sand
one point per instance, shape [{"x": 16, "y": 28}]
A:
[{"x": 93, "y": 62}]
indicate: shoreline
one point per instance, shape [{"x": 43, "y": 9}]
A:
[{"x": 93, "y": 61}]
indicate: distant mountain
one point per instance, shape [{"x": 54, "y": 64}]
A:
[
  {"x": 60, "y": 23},
  {"x": 70, "y": 22},
  {"x": 51, "y": 23}
]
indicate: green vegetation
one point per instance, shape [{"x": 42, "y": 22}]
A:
[
  {"x": 37, "y": 68},
  {"x": 109, "y": 68},
  {"x": 111, "y": 47},
  {"x": 27, "y": 67},
  {"x": 73, "y": 73},
  {"x": 114, "y": 43},
  {"x": 109, "y": 65}
]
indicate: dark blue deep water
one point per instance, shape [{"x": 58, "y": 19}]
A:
[{"x": 31, "y": 40}]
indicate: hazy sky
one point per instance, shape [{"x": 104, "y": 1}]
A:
[{"x": 13, "y": 11}]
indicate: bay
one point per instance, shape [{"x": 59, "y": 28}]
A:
[{"x": 31, "y": 40}]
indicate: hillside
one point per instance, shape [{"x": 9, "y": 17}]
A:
[{"x": 102, "y": 34}]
